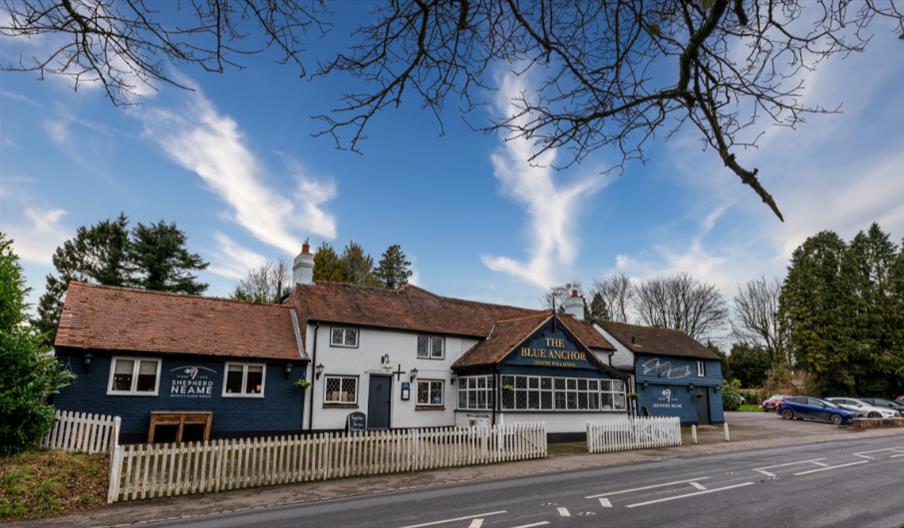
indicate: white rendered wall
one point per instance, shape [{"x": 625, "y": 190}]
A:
[
  {"x": 560, "y": 422},
  {"x": 366, "y": 360},
  {"x": 622, "y": 358}
]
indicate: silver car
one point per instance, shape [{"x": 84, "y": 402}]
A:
[{"x": 865, "y": 409}]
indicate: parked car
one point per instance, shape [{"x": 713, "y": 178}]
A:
[
  {"x": 865, "y": 409},
  {"x": 900, "y": 399},
  {"x": 888, "y": 404},
  {"x": 772, "y": 402},
  {"x": 809, "y": 408}
]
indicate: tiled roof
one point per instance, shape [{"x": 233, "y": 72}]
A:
[
  {"x": 650, "y": 340},
  {"x": 126, "y": 319},
  {"x": 407, "y": 308}
]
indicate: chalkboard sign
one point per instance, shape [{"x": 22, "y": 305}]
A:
[{"x": 356, "y": 422}]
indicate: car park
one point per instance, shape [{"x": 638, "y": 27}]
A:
[
  {"x": 772, "y": 402},
  {"x": 810, "y": 408},
  {"x": 865, "y": 409},
  {"x": 882, "y": 402}
]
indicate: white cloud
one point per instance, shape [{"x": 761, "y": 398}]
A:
[
  {"x": 211, "y": 145},
  {"x": 39, "y": 234},
  {"x": 232, "y": 260},
  {"x": 553, "y": 210}
]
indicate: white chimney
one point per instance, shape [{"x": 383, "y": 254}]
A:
[
  {"x": 303, "y": 266},
  {"x": 574, "y": 305}
]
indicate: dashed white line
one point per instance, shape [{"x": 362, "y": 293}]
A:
[
  {"x": 563, "y": 512},
  {"x": 686, "y": 495},
  {"x": 644, "y": 488},
  {"x": 828, "y": 468},
  {"x": 697, "y": 485},
  {"x": 476, "y": 523},
  {"x": 465, "y": 518},
  {"x": 605, "y": 503}
]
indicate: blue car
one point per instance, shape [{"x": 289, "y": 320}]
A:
[{"x": 809, "y": 408}]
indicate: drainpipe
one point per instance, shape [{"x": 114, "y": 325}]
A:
[
  {"x": 496, "y": 390},
  {"x": 313, "y": 379}
]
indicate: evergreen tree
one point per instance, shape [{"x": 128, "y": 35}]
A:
[
  {"x": 327, "y": 265},
  {"x": 98, "y": 253},
  {"x": 598, "y": 308},
  {"x": 394, "y": 269},
  {"x": 813, "y": 307},
  {"x": 358, "y": 265},
  {"x": 897, "y": 311},
  {"x": 749, "y": 364},
  {"x": 161, "y": 262},
  {"x": 29, "y": 375}
]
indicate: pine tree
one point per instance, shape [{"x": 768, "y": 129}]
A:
[
  {"x": 327, "y": 265},
  {"x": 358, "y": 265},
  {"x": 12, "y": 288},
  {"x": 161, "y": 262},
  {"x": 598, "y": 308},
  {"x": 394, "y": 269},
  {"x": 96, "y": 254}
]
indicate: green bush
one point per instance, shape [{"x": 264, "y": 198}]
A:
[{"x": 731, "y": 395}]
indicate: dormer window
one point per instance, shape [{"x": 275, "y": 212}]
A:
[
  {"x": 342, "y": 336},
  {"x": 431, "y": 347}
]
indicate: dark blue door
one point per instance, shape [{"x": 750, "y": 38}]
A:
[
  {"x": 379, "y": 400},
  {"x": 702, "y": 406}
]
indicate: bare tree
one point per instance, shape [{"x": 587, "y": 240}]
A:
[
  {"x": 556, "y": 295},
  {"x": 756, "y": 320},
  {"x": 599, "y": 63},
  {"x": 266, "y": 284},
  {"x": 617, "y": 293},
  {"x": 681, "y": 302}
]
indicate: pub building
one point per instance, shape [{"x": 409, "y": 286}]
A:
[{"x": 188, "y": 367}]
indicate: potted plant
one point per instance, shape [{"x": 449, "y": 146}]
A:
[
  {"x": 508, "y": 387},
  {"x": 302, "y": 384},
  {"x": 632, "y": 395}
]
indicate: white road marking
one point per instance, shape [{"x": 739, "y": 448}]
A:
[
  {"x": 827, "y": 468},
  {"x": 465, "y": 518},
  {"x": 879, "y": 450},
  {"x": 476, "y": 523},
  {"x": 864, "y": 456},
  {"x": 543, "y": 523},
  {"x": 604, "y": 502},
  {"x": 821, "y": 464},
  {"x": 644, "y": 488},
  {"x": 563, "y": 512},
  {"x": 786, "y": 464},
  {"x": 686, "y": 495},
  {"x": 764, "y": 472},
  {"x": 896, "y": 456},
  {"x": 697, "y": 485}
]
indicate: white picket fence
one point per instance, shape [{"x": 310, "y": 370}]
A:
[
  {"x": 633, "y": 433},
  {"x": 145, "y": 471},
  {"x": 78, "y": 431}
]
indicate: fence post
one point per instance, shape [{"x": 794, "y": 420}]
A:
[
  {"x": 694, "y": 434},
  {"x": 726, "y": 434},
  {"x": 115, "y": 473},
  {"x": 114, "y": 434}
]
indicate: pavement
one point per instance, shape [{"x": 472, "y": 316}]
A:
[{"x": 756, "y": 438}]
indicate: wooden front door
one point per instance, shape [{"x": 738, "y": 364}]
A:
[{"x": 379, "y": 401}]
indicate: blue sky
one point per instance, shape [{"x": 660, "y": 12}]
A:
[{"x": 235, "y": 165}]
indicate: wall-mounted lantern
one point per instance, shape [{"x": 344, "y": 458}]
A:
[
  {"x": 288, "y": 370},
  {"x": 718, "y": 387},
  {"x": 646, "y": 385},
  {"x": 691, "y": 387},
  {"x": 88, "y": 357},
  {"x": 452, "y": 379},
  {"x": 318, "y": 370},
  {"x": 386, "y": 363},
  {"x": 412, "y": 374}
]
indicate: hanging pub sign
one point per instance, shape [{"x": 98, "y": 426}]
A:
[
  {"x": 191, "y": 381},
  {"x": 356, "y": 422}
]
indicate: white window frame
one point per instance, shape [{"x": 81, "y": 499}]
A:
[
  {"x": 701, "y": 368},
  {"x": 245, "y": 366},
  {"x": 326, "y": 378},
  {"x": 430, "y": 338},
  {"x": 345, "y": 329},
  {"x": 136, "y": 366},
  {"x": 428, "y": 381},
  {"x": 617, "y": 392},
  {"x": 465, "y": 389}
]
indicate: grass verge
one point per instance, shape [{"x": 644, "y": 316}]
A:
[
  {"x": 40, "y": 483},
  {"x": 750, "y": 408}
]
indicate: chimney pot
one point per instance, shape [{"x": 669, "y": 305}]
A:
[
  {"x": 574, "y": 305},
  {"x": 303, "y": 266},
  {"x": 306, "y": 248}
]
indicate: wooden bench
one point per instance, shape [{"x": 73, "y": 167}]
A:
[{"x": 180, "y": 419}]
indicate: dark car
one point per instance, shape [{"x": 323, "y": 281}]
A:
[
  {"x": 882, "y": 402},
  {"x": 809, "y": 408}
]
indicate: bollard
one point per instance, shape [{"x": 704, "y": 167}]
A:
[
  {"x": 694, "y": 434},
  {"x": 725, "y": 432}
]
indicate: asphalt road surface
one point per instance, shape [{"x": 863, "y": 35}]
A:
[{"x": 856, "y": 483}]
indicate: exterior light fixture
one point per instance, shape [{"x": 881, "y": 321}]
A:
[
  {"x": 413, "y": 374},
  {"x": 88, "y": 357},
  {"x": 452, "y": 379},
  {"x": 646, "y": 385},
  {"x": 318, "y": 370},
  {"x": 691, "y": 387},
  {"x": 718, "y": 387},
  {"x": 386, "y": 363},
  {"x": 288, "y": 370}
]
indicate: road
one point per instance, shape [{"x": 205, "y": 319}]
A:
[{"x": 856, "y": 483}]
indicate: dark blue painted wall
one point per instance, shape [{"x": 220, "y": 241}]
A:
[
  {"x": 279, "y": 411},
  {"x": 668, "y": 392}
]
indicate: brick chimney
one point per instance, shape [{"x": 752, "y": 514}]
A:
[
  {"x": 574, "y": 305},
  {"x": 303, "y": 266}
]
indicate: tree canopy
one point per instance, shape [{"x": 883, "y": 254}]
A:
[{"x": 610, "y": 74}]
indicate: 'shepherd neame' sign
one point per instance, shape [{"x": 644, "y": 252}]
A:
[
  {"x": 192, "y": 382},
  {"x": 553, "y": 353}
]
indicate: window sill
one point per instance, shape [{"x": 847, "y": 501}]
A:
[
  {"x": 429, "y": 407},
  {"x": 431, "y": 358},
  {"x": 340, "y": 405}
]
